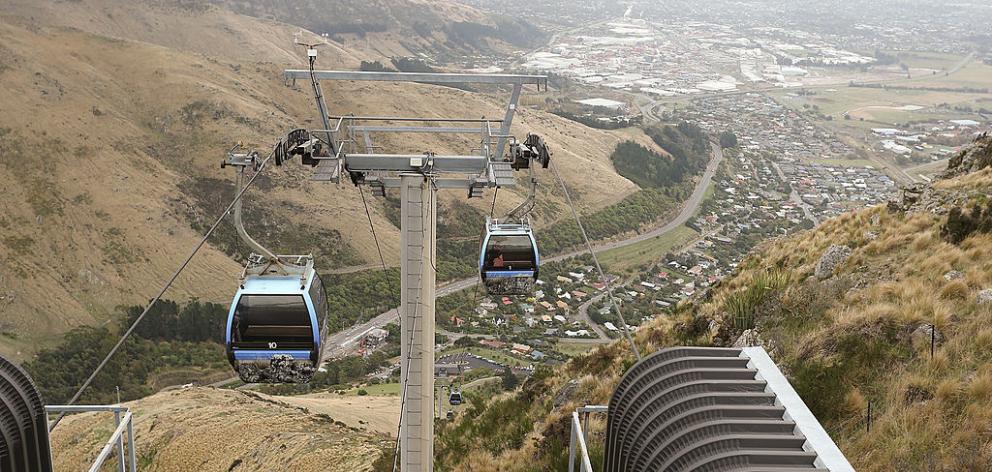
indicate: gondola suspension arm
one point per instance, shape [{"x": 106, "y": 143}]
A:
[
  {"x": 522, "y": 211},
  {"x": 526, "y": 155},
  {"x": 238, "y": 221},
  {"x": 259, "y": 253}
]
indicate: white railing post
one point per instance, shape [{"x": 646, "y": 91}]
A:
[
  {"x": 571, "y": 449},
  {"x": 132, "y": 453},
  {"x": 120, "y": 443},
  {"x": 577, "y": 445},
  {"x": 124, "y": 424}
]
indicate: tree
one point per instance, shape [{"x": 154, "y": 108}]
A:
[
  {"x": 373, "y": 66},
  {"x": 728, "y": 140},
  {"x": 510, "y": 380}
]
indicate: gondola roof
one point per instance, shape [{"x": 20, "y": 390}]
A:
[{"x": 273, "y": 285}]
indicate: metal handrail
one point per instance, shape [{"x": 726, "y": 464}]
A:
[
  {"x": 577, "y": 443},
  {"x": 125, "y": 424}
]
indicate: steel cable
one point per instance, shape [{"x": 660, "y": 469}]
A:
[
  {"x": 196, "y": 249},
  {"x": 602, "y": 276}
]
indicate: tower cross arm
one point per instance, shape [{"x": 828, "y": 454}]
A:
[{"x": 424, "y": 77}]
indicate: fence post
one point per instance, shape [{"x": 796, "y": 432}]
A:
[
  {"x": 130, "y": 446},
  {"x": 585, "y": 427},
  {"x": 868, "y": 430},
  {"x": 571, "y": 449},
  {"x": 933, "y": 339}
]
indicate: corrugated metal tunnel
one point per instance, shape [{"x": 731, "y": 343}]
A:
[
  {"x": 713, "y": 409},
  {"x": 23, "y": 432}
]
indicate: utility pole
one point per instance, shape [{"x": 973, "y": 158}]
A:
[{"x": 351, "y": 152}]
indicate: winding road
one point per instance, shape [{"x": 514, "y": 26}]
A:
[
  {"x": 584, "y": 316},
  {"x": 345, "y": 341}
]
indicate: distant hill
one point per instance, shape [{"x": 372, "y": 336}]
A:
[
  {"x": 399, "y": 27},
  {"x": 848, "y": 310},
  {"x": 441, "y": 29},
  {"x": 115, "y": 116}
]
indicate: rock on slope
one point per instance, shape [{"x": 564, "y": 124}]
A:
[
  {"x": 860, "y": 334},
  {"x": 206, "y": 429}
]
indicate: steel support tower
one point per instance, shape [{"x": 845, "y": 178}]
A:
[
  {"x": 348, "y": 148},
  {"x": 418, "y": 213}
]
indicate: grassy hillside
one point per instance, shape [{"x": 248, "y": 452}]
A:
[
  {"x": 206, "y": 429},
  {"x": 847, "y": 333},
  {"x": 116, "y": 115}
]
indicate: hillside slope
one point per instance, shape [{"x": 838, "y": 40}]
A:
[
  {"x": 207, "y": 429},
  {"x": 370, "y": 29},
  {"x": 444, "y": 29},
  {"x": 847, "y": 326},
  {"x": 116, "y": 115}
]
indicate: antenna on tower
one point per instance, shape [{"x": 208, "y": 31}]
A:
[
  {"x": 318, "y": 94},
  {"x": 311, "y": 47}
]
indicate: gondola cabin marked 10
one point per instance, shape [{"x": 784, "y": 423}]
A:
[
  {"x": 509, "y": 258},
  {"x": 276, "y": 325},
  {"x": 278, "y": 317}
]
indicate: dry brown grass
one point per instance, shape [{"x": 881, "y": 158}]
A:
[
  {"x": 981, "y": 180},
  {"x": 113, "y": 77},
  {"x": 207, "y": 429},
  {"x": 929, "y": 413}
]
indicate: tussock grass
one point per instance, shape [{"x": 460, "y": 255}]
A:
[
  {"x": 955, "y": 289},
  {"x": 929, "y": 413},
  {"x": 744, "y": 302}
]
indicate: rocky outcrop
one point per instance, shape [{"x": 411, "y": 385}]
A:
[
  {"x": 565, "y": 393},
  {"x": 751, "y": 337},
  {"x": 911, "y": 195},
  {"x": 923, "y": 197},
  {"x": 953, "y": 275},
  {"x": 972, "y": 159},
  {"x": 834, "y": 256},
  {"x": 985, "y": 297}
]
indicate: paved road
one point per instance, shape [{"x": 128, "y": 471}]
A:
[
  {"x": 794, "y": 196},
  {"x": 344, "y": 342},
  {"x": 584, "y": 316},
  {"x": 687, "y": 212}
]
